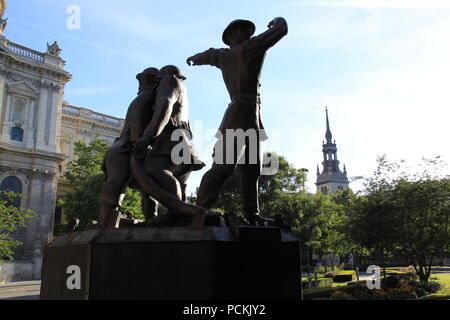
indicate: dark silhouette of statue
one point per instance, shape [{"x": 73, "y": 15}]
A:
[
  {"x": 159, "y": 110},
  {"x": 241, "y": 66},
  {"x": 171, "y": 156},
  {"x": 116, "y": 164}
]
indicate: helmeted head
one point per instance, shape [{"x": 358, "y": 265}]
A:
[
  {"x": 148, "y": 78},
  {"x": 239, "y": 24},
  {"x": 153, "y": 72},
  {"x": 172, "y": 70}
]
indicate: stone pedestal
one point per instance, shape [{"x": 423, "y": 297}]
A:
[{"x": 173, "y": 264}]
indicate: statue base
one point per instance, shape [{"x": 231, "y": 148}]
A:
[{"x": 173, "y": 263}]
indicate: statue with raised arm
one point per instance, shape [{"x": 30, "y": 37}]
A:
[{"x": 241, "y": 66}]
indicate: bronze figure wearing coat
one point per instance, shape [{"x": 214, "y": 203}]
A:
[{"x": 241, "y": 67}]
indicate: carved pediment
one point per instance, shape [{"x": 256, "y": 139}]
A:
[{"x": 23, "y": 87}]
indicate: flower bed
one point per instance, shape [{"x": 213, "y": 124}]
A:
[{"x": 392, "y": 288}]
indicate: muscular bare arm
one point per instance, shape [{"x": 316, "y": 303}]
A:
[{"x": 166, "y": 96}]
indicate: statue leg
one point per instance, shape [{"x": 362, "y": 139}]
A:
[
  {"x": 117, "y": 170},
  {"x": 183, "y": 178},
  {"x": 149, "y": 206},
  {"x": 168, "y": 199},
  {"x": 211, "y": 184},
  {"x": 250, "y": 173},
  {"x": 220, "y": 171},
  {"x": 161, "y": 169}
]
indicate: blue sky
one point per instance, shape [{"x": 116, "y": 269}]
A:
[{"x": 381, "y": 67}]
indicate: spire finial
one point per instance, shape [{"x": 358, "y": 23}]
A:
[{"x": 328, "y": 134}]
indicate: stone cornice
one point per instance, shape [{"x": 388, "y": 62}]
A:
[
  {"x": 32, "y": 153},
  {"x": 9, "y": 60},
  {"x": 31, "y": 173}
]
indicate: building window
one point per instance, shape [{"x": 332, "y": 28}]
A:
[
  {"x": 19, "y": 108},
  {"x": 12, "y": 184},
  {"x": 341, "y": 188},
  {"x": 325, "y": 190},
  {"x": 17, "y": 134}
]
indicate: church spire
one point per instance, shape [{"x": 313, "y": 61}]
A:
[
  {"x": 328, "y": 134},
  {"x": 331, "y": 177}
]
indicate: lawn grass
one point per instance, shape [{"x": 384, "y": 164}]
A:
[
  {"x": 444, "y": 293},
  {"x": 342, "y": 284},
  {"x": 347, "y": 272},
  {"x": 316, "y": 290}
]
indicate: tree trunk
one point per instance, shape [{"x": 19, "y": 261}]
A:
[
  {"x": 355, "y": 264},
  {"x": 332, "y": 262},
  {"x": 308, "y": 260}
]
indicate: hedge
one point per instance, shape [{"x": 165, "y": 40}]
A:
[
  {"x": 322, "y": 283},
  {"x": 345, "y": 276}
]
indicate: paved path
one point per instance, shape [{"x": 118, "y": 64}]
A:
[{"x": 20, "y": 290}]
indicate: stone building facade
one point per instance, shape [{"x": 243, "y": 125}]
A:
[
  {"x": 38, "y": 130},
  {"x": 79, "y": 124}
]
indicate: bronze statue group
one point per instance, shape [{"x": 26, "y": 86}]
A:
[{"x": 154, "y": 153}]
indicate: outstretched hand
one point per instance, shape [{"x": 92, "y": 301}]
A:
[{"x": 190, "y": 61}]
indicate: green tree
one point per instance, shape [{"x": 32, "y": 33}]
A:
[
  {"x": 288, "y": 179},
  {"x": 11, "y": 217},
  {"x": 312, "y": 219},
  {"x": 342, "y": 242},
  {"x": 85, "y": 177},
  {"x": 405, "y": 215}
]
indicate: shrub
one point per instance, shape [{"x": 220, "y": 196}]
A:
[
  {"x": 405, "y": 293},
  {"x": 342, "y": 296},
  {"x": 425, "y": 288},
  {"x": 329, "y": 275},
  {"x": 409, "y": 269},
  {"x": 390, "y": 282},
  {"x": 322, "y": 283},
  {"x": 323, "y": 269}
]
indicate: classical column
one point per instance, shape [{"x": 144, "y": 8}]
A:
[
  {"x": 44, "y": 231},
  {"x": 55, "y": 107},
  {"x": 42, "y": 109}
]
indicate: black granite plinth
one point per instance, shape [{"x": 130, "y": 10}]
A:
[{"x": 173, "y": 264}]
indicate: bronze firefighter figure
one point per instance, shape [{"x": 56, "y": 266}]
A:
[
  {"x": 241, "y": 66},
  {"x": 152, "y": 117}
]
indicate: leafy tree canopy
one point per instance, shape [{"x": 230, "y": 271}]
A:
[
  {"x": 405, "y": 214},
  {"x": 85, "y": 177},
  {"x": 11, "y": 217}
]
